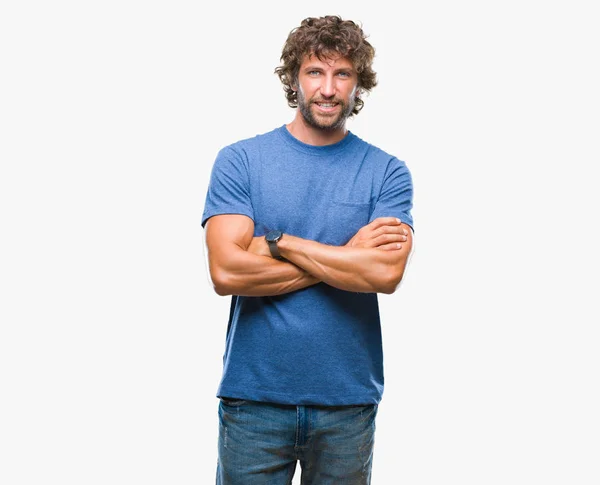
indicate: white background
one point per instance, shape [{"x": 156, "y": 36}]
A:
[{"x": 111, "y": 114}]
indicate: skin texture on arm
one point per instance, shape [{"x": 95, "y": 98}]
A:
[
  {"x": 236, "y": 270},
  {"x": 352, "y": 268},
  {"x": 373, "y": 261},
  {"x": 240, "y": 264}
]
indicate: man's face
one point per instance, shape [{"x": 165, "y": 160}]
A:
[{"x": 326, "y": 91}]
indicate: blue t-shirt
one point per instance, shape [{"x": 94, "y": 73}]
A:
[{"x": 318, "y": 345}]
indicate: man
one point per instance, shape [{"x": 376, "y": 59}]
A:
[{"x": 304, "y": 226}]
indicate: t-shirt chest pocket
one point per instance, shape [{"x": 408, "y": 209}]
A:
[{"x": 344, "y": 219}]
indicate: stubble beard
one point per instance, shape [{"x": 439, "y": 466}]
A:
[{"x": 325, "y": 123}]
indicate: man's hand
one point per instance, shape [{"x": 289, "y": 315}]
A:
[
  {"x": 259, "y": 246},
  {"x": 385, "y": 233},
  {"x": 235, "y": 265}
]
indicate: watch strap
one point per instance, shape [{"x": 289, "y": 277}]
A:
[{"x": 274, "y": 249}]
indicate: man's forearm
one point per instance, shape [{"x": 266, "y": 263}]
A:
[
  {"x": 372, "y": 261},
  {"x": 248, "y": 274},
  {"x": 353, "y": 269}
]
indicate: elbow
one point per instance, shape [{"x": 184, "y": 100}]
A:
[
  {"x": 391, "y": 275},
  {"x": 391, "y": 282},
  {"x": 221, "y": 283},
  {"x": 221, "y": 290},
  {"x": 389, "y": 288}
]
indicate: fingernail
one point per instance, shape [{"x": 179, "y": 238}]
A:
[
  {"x": 405, "y": 232},
  {"x": 398, "y": 220}
]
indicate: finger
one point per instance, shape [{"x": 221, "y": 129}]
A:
[
  {"x": 367, "y": 243},
  {"x": 388, "y": 238},
  {"x": 390, "y": 247},
  {"x": 390, "y": 230},
  {"x": 385, "y": 221}
]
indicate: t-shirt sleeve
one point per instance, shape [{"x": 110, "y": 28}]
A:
[
  {"x": 396, "y": 196},
  {"x": 229, "y": 186}
]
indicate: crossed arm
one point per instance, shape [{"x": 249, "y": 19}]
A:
[{"x": 372, "y": 261}]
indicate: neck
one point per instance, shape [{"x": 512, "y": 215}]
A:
[{"x": 310, "y": 135}]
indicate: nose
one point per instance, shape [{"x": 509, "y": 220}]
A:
[{"x": 327, "y": 86}]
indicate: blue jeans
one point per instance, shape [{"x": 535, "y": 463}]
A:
[{"x": 260, "y": 443}]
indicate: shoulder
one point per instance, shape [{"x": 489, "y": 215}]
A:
[
  {"x": 378, "y": 156},
  {"x": 251, "y": 144}
]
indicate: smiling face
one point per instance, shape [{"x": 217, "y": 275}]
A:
[{"x": 326, "y": 91}]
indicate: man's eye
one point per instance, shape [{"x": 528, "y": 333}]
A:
[
  {"x": 344, "y": 74},
  {"x": 313, "y": 73}
]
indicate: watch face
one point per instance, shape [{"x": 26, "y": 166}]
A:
[{"x": 273, "y": 236}]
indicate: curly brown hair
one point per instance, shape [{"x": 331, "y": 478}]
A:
[{"x": 323, "y": 37}]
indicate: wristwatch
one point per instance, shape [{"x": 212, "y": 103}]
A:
[{"x": 272, "y": 237}]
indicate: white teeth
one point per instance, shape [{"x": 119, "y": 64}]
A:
[{"x": 326, "y": 105}]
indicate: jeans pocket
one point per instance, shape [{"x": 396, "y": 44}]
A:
[{"x": 232, "y": 402}]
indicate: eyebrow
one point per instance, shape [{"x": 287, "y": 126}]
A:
[{"x": 319, "y": 68}]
